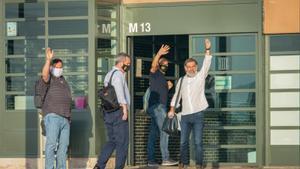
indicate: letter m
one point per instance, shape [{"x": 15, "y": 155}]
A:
[
  {"x": 133, "y": 27},
  {"x": 105, "y": 28}
]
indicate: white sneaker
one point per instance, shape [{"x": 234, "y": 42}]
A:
[{"x": 169, "y": 162}]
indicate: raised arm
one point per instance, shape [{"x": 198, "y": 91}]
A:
[
  {"x": 164, "y": 49},
  {"x": 46, "y": 68},
  {"x": 207, "y": 60}
]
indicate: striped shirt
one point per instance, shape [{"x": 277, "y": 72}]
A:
[
  {"x": 193, "y": 90},
  {"x": 58, "y": 98}
]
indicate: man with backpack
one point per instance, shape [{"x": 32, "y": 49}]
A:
[
  {"x": 56, "y": 108},
  {"x": 115, "y": 119},
  {"x": 157, "y": 109}
]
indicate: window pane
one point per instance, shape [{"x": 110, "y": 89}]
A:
[
  {"x": 285, "y": 81},
  {"x": 107, "y": 28},
  {"x": 107, "y": 11},
  {"x": 229, "y": 137},
  {"x": 15, "y": 47},
  {"x": 34, "y": 47},
  {"x": 237, "y": 155},
  {"x": 235, "y": 100},
  {"x": 34, "y": 9},
  {"x": 68, "y": 27},
  {"x": 285, "y": 43},
  {"x": 15, "y": 84},
  {"x": 285, "y": 62},
  {"x": 285, "y": 99},
  {"x": 15, "y": 102},
  {"x": 106, "y": 47},
  {"x": 230, "y": 81},
  {"x": 75, "y": 64},
  {"x": 220, "y": 44},
  {"x": 78, "y": 84},
  {"x": 29, "y": 28},
  {"x": 70, "y": 8},
  {"x": 15, "y": 65},
  {"x": 217, "y": 119},
  {"x": 229, "y": 63},
  {"x": 34, "y": 65},
  {"x": 69, "y": 46},
  {"x": 27, "y": 10}
]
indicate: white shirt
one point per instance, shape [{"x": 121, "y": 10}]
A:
[{"x": 193, "y": 90}]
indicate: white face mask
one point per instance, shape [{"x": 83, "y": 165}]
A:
[{"x": 57, "y": 72}]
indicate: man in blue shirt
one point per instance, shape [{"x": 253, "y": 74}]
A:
[
  {"x": 159, "y": 87},
  {"x": 116, "y": 122}
]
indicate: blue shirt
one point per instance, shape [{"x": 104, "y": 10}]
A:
[{"x": 120, "y": 85}]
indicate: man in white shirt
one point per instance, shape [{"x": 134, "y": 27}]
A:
[{"x": 193, "y": 103}]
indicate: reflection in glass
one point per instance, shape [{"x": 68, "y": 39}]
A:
[
  {"x": 27, "y": 10},
  {"x": 237, "y": 155},
  {"x": 75, "y": 64},
  {"x": 29, "y": 28},
  {"x": 106, "y": 11},
  {"x": 106, "y": 47},
  {"x": 15, "y": 83},
  {"x": 231, "y": 81},
  {"x": 107, "y": 28},
  {"x": 222, "y": 118},
  {"x": 68, "y": 27},
  {"x": 235, "y": 63},
  {"x": 104, "y": 64},
  {"x": 32, "y": 47},
  {"x": 69, "y": 46},
  {"x": 285, "y": 43},
  {"x": 220, "y": 44},
  {"x": 69, "y": 8},
  {"x": 15, "y": 65},
  {"x": 236, "y": 100},
  {"x": 19, "y": 102},
  {"x": 15, "y": 47},
  {"x": 78, "y": 84}
]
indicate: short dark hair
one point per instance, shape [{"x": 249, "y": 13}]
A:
[
  {"x": 55, "y": 61},
  {"x": 162, "y": 59},
  {"x": 190, "y": 60}
]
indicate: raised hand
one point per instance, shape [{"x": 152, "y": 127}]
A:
[
  {"x": 207, "y": 44},
  {"x": 49, "y": 54},
  {"x": 164, "y": 49}
]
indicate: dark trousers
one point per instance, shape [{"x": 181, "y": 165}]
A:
[{"x": 117, "y": 132}]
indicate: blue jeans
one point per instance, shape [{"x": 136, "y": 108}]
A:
[
  {"x": 191, "y": 123},
  {"x": 118, "y": 139},
  {"x": 57, "y": 136},
  {"x": 157, "y": 113}
]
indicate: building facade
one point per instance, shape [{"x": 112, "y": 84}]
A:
[{"x": 253, "y": 85}]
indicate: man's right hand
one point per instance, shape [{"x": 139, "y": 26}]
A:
[
  {"x": 164, "y": 49},
  {"x": 171, "y": 114},
  {"x": 49, "y": 54}
]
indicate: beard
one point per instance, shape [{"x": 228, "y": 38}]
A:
[{"x": 191, "y": 74}]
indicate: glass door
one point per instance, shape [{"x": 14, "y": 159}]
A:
[{"x": 230, "y": 120}]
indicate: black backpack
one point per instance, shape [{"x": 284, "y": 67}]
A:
[
  {"x": 40, "y": 92},
  {"x": 108, "y": 97}
]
